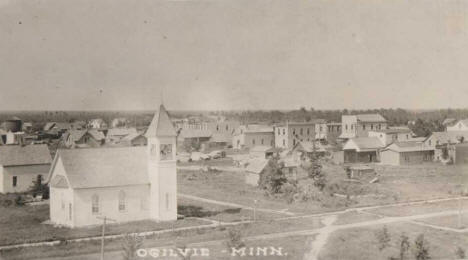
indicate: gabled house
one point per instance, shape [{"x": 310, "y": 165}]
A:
[
  {"x": 134, "y": 140},
  {"x": 254, "y": 169},
  {"x": 115, "y": 135},
  {"x": 193, "y": 138},
  {"x": 362, "y": 150},
  {"x": 440, "y": 142},
  {"x": 21, "y": 166},
  {"x": 121, "y": 183},
  {"x": 359, "y": 125},
  {"x": 388, "y": 136},
  {"x": 461, "y": 125},
  {"x": 97, "y": 123},
  {"x": 248, "y": 136},
  {"x": 405, "y": 153},
  {"x": 82, "y": 138}
]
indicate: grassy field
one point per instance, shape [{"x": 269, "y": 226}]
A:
[
  {"x": 396, "y": 184},
  {"x": 425, "y": 208},
  {"x": 23, "y": 225},
  {"x": 178, "y": 238},
  {"x": 448, "y": 221},
  {"x": 361, "y": 244},
  {"x": 354, "y": 217}
]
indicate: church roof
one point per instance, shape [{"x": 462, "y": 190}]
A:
[
  {"x": 104, "y": 167},
  {"x": 161, "y": 124}
]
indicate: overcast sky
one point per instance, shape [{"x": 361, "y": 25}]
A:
[{"x": 233, "y": 54}]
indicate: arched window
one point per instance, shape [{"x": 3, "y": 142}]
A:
[
  {"x": 95, "y": 204},
  {"x": 121, "y": 200}
]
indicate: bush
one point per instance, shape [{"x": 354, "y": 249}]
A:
[
  {"x": 19, "y": 200},
  {"x": 383, "y": 238},
  {"x": 130, "y": 244},
  {"x": 235, "y": 238},
  {"x": 460, "y": 253},
  {"x": 421, "y": 248}
]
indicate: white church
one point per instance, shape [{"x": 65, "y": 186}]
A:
[{"x": 124, "y": 184}]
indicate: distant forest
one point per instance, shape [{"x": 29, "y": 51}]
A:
[{"x": 421, "y": 122}]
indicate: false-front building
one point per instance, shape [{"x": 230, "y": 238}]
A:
[{"x": 122, "y": 183}]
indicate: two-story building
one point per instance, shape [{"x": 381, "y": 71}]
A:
[
  {"x": 248, "y": 136},
  {"x": 388, "y": 136},
  {"x": 359, "y": 125},
  {"x": 291, "y": 133}
]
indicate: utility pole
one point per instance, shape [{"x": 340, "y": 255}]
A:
[{"x": 104, "y": 220}]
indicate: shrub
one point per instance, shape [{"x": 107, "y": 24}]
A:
[
  {"x": 235, "y": 238},
  {"x": 19, "y": 200},
  {"x": 130, "y": 244},
  {"x": 421, "y": 248},
  {"x": 460, "y": 253},
  {"x": 383, "y": 238}
]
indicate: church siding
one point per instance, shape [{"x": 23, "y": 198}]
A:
[{"x": 109, "y": 204}]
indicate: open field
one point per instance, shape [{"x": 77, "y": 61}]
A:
[
  {"x": 361, "y": 244},
  {"x": 448, "y": 221},
  {"x": 396, "y": 184},
  {"x": 399, "y": 211},
  {"x": 23, "y": 225}
]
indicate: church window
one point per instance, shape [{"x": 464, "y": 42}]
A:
[
  {"x": 95, "y": 204},
  {"x": 69, "y": 211},
  {"x": 121, "y": 201},
  {"x": 262, "y": 141},
  {"x": 15, "y": 181},
  {"x": 153, "y": 150}
]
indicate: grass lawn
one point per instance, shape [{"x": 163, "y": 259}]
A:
[
  {"x": 361, "y": 244},
  {"x": 418, "y": 209},
  {"x": 294, "y": 246},
  {"x": 448, "y": 221},
  {"x": 194, "y": 208},
  {"x": 23, "y": 225},
  {"x": 354, "y": 217},
  {"x": 396, "y": 184}
]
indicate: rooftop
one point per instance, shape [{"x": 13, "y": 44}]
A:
[
  {"x": 16, "y": 155},
  {"x": 104, "y": 167}
]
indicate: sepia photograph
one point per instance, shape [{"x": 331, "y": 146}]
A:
[{"x": 233, "y": 129}]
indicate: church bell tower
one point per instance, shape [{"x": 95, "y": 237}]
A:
[{"x": 161, "y": 153}]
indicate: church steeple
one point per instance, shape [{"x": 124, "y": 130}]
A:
[{"x": 161, "y": 125}]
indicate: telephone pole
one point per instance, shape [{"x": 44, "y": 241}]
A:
[{"x": 104, "y": 221}]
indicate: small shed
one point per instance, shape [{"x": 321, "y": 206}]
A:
[{"x": 254, "y": 168}]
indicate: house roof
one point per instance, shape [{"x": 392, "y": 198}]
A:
[
  {"x": 370, "y": 118},
  {"x": 402, "y": 147},
  {"x": 449, "y": 121},
  {"x": 131, "y": 137},
  {"x": 74, "y": 134},
  {"x": 362, "y": 144},
  {"x": 104, "y": 167},
  {"x": 161, "y": 124},
  {"x": 17, "y": 155},
  {"x": 121, "y": 131},
  {"x": 98, "y": 135},
  {"x": 393, "y": 131},
  {"x": 309, "y": 147},
  {"x": 256, "y": 165},
  {"x": 221, "y": 138},
  {"x": 254, "y": 128},
  {"x": 195, "y": 133},
  {"x": 448, "y": 137}
]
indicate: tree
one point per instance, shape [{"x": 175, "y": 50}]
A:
[
  {"x": 272, "y": 177},
  {"x": 130, "y": 244},
  {"x": 460, "y": 253},
  {"x": 404, "y": 246},
  {"x": 314, "y": 171},
  {"x": 38, "y": 187},
  {"x": 234, "y": 239},
  {"x": 383, "y": 238},
  {"x": 421, "y": 248}
]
